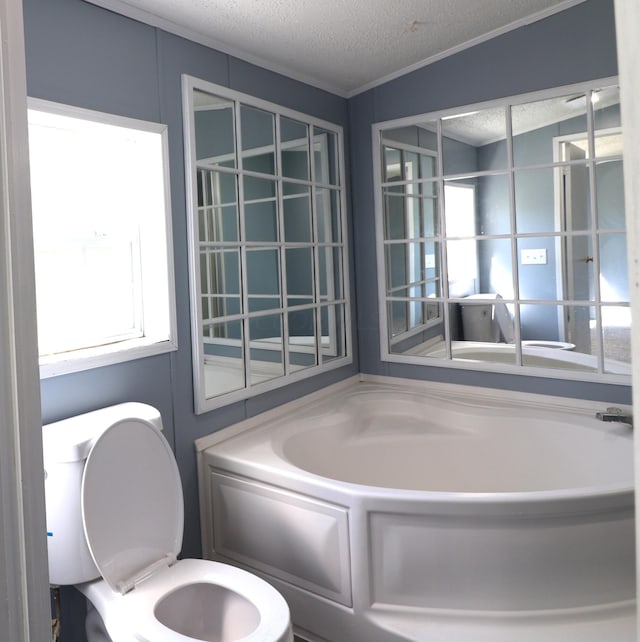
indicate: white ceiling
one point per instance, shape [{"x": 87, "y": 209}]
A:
[{"x": 344, "y": 46}]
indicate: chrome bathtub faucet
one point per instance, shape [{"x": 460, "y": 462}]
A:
[{"x": 615, "y": 414}]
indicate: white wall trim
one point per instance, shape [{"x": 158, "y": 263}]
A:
[
  {"x": 24, "y": 594},
  {"x": 628, "y": 35}
]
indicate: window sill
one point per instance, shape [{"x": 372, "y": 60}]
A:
[{"x": 77, "y": 361}]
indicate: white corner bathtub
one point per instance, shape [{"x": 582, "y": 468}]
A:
[{"x": 388, "y": 510}]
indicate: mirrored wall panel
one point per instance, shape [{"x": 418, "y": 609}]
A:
[
  {"x": 269, "y": 288},
  {"x": 501, "y": 236}
]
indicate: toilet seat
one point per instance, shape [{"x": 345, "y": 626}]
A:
[
  {"x": 131, "y": 503},
  {"x": 505, "y": 323},
  {"x": 133, "y": 514},
  {"x": 134, "y": 615}
]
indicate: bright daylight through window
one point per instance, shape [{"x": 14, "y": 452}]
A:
[{"x": 102, "y": 237}]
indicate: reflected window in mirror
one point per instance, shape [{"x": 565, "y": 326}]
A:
[
  {"x": 269, "y": 283},
  {"x": 501, "y": 236}
]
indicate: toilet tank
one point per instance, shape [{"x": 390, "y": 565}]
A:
[
  {"x": 66, "y": 446},
  {"x": 477, "y": 318}
]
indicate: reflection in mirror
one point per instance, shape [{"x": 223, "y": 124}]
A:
[
  {"x": 474, "y": 139},
  {"x": 294, "y": 149},
  {"x": 334, "y": 333},
  {"x": 258, "y": 148},
  {"x": 502, "y": 239},
  {"x": 268, "y": 268}
]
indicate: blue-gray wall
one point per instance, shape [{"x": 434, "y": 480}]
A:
[
  {"x": 83, "y": 55},
  {"x": 573, "y": 46}
]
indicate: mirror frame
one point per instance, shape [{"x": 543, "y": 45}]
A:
[
  {"x": 444, "y": 299},
  {"x": 341, "y": 302}
]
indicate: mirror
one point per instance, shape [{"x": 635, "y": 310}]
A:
[
  {"x": 267, "y": 255},
  {"x": 501, "y": 237}
]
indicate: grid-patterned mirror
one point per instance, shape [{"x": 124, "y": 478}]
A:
[
  {"x": 501, "y": 236},
  {"x": 269, "y": 282}
]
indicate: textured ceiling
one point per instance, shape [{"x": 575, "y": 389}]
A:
[
  {"x": 344, "y": 46},
  {"x": 489, "y": 125}
]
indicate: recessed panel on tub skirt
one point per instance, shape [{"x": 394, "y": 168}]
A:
[
  {"x": 292, "y": 537},
  {"x": 500, "y": 563}
]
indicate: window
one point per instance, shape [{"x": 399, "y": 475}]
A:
[
  {"x": 268, "y": 253},
  {"x": 508, "y": 219},
  {"x": 460, "y": 222},
  {"x": 102, "y": 240}
]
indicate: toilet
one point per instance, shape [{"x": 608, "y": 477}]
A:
[
  {"x": 485, "y": 317},
  {"x": 115, "y": 513}
]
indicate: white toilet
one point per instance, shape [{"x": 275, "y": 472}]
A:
[
  {"x": 114, "y": 525},
  {"x": 485, "y": 317}
]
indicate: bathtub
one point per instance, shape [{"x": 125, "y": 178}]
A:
[{"x": 388, "y": 510}]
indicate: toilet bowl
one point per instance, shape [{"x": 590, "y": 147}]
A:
[
  {"x": 114, "y": 524},
  {"x": 191, "y": 600}
]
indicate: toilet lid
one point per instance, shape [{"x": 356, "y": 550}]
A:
[
  {"x": 132, "y": 505},
  {"x": 505, "y": 322}
]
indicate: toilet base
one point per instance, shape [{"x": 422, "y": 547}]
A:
[{"x": 94, "y": 626}]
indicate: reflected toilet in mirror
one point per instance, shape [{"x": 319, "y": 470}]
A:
[{"x": 484, "y": 319}]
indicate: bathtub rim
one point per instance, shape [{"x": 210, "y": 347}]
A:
[
  {"x": 586, "y": 407},
  {"x": 583, "y": 500}
]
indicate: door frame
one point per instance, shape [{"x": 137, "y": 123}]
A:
[
  {"x": 24, "y": 584},
  {"x": 563, "y": 273}
]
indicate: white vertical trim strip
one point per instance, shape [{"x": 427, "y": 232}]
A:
[
  {"x": 191, "y": 178},
  {"x": 24, "y": 596},
  {"x": 282, "y": 250},
  {"x": 628, "y": 36},
  {"x": 444, "y": 248},
  {"x": 513, "y": 223},
  {"x": 313, "y": 195},
  {"x": 378, "y": 200},
  {"x": 594, "y": 235},
  {"x": 347, "y": 339}
]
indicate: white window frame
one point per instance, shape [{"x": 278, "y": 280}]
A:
[{"x": 156, "y": 311}]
